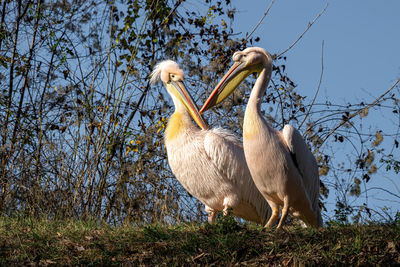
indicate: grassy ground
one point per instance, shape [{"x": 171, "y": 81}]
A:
[{"x": 42, "y": 242}]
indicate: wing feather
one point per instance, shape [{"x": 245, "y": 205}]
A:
[
  {"x": 226, "y": 152},
  {"x": 305, "y": 162}
]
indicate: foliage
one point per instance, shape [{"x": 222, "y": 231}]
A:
[{"x": 81, "y": 128}]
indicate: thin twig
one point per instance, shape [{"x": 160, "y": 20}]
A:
[
  {"x": 177, "y": 4},
  {"x": 262, "y": 18},
  {"x": 359, "y": 111},
  {"x": 301, "y": 35},
  {"x": 383, "y": 189},
  {"x": 319, "y": 85},
  {"x": 255, "y": 27}
]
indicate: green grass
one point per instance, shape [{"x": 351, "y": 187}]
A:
[{"x": 26, "y": 241}]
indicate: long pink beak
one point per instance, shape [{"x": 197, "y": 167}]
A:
[{"x": 223, "y": 90}]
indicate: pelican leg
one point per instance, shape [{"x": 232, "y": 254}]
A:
[
  {"x": 211, "y": 215},
  {"x": 226, "y": 210},
  {"x": 274, "y": 216},
  {"x": 230, "y": 202},
  {"x": 285, "y": 212}
]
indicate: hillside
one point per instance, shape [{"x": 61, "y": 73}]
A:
[{"x": 45, "y": 242}]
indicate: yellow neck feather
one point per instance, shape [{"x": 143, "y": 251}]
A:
[
  {"x": 251, "y": 125},
  {"x": 174, "y": 126}
]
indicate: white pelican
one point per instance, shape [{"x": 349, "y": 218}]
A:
[
  {"x": 210, "y": 164},
  {"x": 282, "y": 166}
]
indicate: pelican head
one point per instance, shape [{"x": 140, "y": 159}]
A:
[
  {"x": 248, "y": 61},
  {"x": 172, "y": 76}
]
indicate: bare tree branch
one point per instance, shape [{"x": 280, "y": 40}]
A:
[
  {"x": 262, "y": 18},
  {"x": 385, "y": 190},
  {"x": 319, "y": 85},
  {"x": 301, "y": 35},
  {"x": 359, "y": 111}
]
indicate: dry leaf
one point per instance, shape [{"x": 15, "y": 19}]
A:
[{"x": 391, "y": 247}]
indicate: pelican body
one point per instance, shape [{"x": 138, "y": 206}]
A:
[
  {"x": 282, "y": 166},
  {"x": 210, "y": 164}
]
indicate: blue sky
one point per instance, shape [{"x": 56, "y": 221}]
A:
[
  {"x": 361, "y": 42},
  {"x": 361, "y": 58}
]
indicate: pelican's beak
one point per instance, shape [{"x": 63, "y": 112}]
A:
[
  {"x": 231, "y": 80},
  {"x": 180, "y": 92}
]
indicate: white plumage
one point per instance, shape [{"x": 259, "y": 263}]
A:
[
  {"x": 210, "y": 164},
  {"x": 282, "y": 167}
]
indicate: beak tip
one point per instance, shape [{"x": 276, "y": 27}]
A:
[{"x": 210, "y": 102}]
